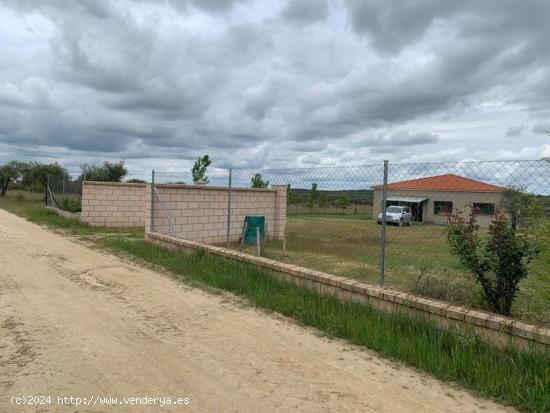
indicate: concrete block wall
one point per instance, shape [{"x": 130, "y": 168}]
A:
[
  {"x": 112, "y": 204},
  {"x": 199, "y": 212}
]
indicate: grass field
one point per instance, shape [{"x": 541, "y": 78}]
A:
[
  {"x": 518, "y": 378},
  {"x": 418, "y": 259}
]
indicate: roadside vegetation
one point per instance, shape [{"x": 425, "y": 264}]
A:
[{"x": 518, "y": 378}]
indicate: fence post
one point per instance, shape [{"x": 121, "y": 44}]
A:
[
  {"x": 258, "y": 248},
  {"x": 63, "y": 200},
  {"x": 383, "y": 224},
  {"x": 229, "y": 209},
  {"x": 47, "y": 188},
  {"x": 153, "y": 200}
]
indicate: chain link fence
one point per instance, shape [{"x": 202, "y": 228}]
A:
[
  {"x": 64, "y": 192},
  {"x": 379, "y": 223}
]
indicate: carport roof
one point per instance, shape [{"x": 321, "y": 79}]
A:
[
  {"x": 410, "y": 199},
  {"x": 447, "y": 182}
]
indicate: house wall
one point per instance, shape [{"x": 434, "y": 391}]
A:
[
  {"x": 113, "y": 204},
  {"x": 460, "y": 200},
  {"x": 199, "y": 212}
]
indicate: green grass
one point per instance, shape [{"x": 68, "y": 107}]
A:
[
  {"x": 306, "y": 216},
  {"x": 418, "y": 260},
  {"x": 518, "y": 378},
  {"x": 509, "y": 376}
]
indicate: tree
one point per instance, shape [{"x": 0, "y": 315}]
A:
[
  {"x": 322, "y": 200},
  {"x": 199, "y": 170},
  {"x": 313, "y": 195},
  {"x": 524, "y": 209},
  {"x": 9, "y": 172},
  {"x": 498, "y": 262},
  {"x": 291, "y": 197},
  {"x": 258, "y": 181},
  {"x": 136, "y": 181},
  {"x": 35, "y": 174},
  {"x": 343, "y": 201},
  {"x": 107, "y": 172}
]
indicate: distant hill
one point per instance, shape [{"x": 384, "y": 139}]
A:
[{"x": 358, "y": 196}]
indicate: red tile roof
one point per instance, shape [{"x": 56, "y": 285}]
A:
[{"x": 447, "y": 182}]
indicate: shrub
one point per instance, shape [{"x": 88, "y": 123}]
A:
[
  {"x": 258, "y": 181},
  {"x": 108, "y": 172},
  {"x": 35, "y": 175},
  {"x": 498, "y": 262},
  {"x": 71, "y": 205},
  {"x": 525, "y": 210}
]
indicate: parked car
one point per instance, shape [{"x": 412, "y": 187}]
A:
[{"x": 398, "y": 215}]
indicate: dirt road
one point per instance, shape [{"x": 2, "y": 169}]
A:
[{"x": 78, "y": 322}]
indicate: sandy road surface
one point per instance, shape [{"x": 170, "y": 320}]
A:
[{"x": 78, "y": 322}]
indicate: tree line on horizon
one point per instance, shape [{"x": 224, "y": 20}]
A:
[{"x": 33, "y": 176}]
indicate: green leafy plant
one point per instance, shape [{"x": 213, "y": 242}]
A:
[
  {"x": 343, "y": 201},
  {"x": 199, "y": 170},
  {"x": 498, "y": 262},
  {"x": 258, "y": 181},
  {"x": 9, "y": 173},
  {"x": 292, "y": 197},
  {"x": 71, "y": 205},
  {"x": 35, "y": 175},
  {"x": 322, "y": 200},
  {"x": 108, "y": 172},
  {"x": 313, "y": 196},
  {"x": 524, "y": 209}
]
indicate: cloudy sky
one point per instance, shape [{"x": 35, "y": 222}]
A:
[{"x": 273, "y": 83}]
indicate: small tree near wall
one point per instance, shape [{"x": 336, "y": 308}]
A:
[
  {"x": 35, "y": 174},
  {"x": 107, "y": 172},
  {"x": 199, "y": 170},
  {"x": 498, "y": 262},
  {"x": 258, "y": 181}
]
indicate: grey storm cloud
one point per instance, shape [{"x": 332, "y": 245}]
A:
[
  {"x": 404, "y": 137},
  {"x": 305, "y": 11},
  {"x": 514, "y": 130},
  {"x": 278, "y": 83}
]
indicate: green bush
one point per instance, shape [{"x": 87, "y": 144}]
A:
[
  {"x": 71, "y": 205},
  {"x": 108, "y": 172},
  {"x": 498, "y": 263}
]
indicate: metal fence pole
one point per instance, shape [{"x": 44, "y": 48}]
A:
[
  {"x": 153, "y": 200},
  {"x": 258, "y": 248},
  {"x": 47, "y": 187},
  {"x": 229, "y": 210},
  {"x": 383, "y": 224}
]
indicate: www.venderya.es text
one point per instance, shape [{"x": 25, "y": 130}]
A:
[{"x": 97, "y": 400}]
